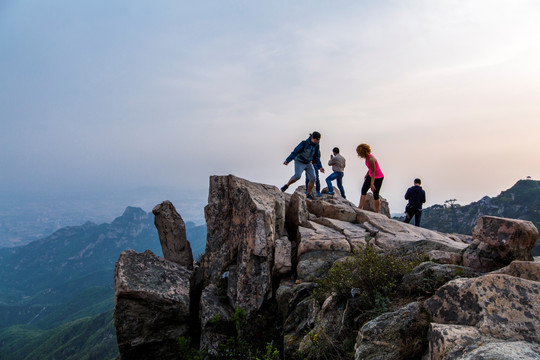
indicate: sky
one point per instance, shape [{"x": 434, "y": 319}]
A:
[{"x": 98, "y": 96}]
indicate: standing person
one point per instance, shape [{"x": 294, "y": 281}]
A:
[
  {"x": 304, "y": 155},
  {"x": 416, "y": 196},
  {"x": 374, "y": 176},
  {"x": 338, "y": 166},
  {"x": 317, "y": 181}
]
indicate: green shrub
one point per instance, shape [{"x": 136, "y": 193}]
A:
[
  {"x": 372, "y": 276},
  {"x": 256, "y": 337}
]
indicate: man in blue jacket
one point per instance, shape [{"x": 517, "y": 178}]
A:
[
  {"x": 416, "y": 196},
  {"x": 305, "y": 155}
]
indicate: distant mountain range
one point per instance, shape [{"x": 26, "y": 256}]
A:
[
  {"x": 57, "y": 295},
  {"x": 521, "y": 201}
]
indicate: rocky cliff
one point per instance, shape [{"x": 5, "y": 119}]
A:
[{"x": 321, "y": 279}]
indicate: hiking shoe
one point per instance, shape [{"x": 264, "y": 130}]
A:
[
  {"x": 309, "y": 197},
  {"x": 284, "y": 187},
  {"x": 319, "y": 194},
  {"x": 330, "y": 193}
]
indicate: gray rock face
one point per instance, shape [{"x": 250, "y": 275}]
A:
[
  {"x": 522, "y": 269},
  {"x": 427, "y": 277},
  {"x": 282, "y": 257},
  {"x": 172, "y": 234},
  {"x": 498, "y": 305},
  {"x": 445, "y": 257},
  {"x": 151, "y": 305},
  {"x": 244, "y": 222},
  {"x": 385, "y": 337},
  {"x": 297, "y": 213},
  {"x": 314, "y": 265},
  {"x": 214, "y": 318},
  {"x": 498, "y": 242},
  {"x": 369, "y": 205},
  {"x": 458, "y": 342}
]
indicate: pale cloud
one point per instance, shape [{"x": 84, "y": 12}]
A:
[{"x": 170, "y": 94}]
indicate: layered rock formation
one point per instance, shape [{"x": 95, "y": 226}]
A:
[{"x": 266, "y": 252}]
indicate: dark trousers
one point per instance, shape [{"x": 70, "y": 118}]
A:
[
  {"x": 317, "y": 181},
  {"x": 417, "y": 214}
]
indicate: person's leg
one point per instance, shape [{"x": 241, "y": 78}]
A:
[
  {"x": 340, "y": 184},
  {"x": 378, "y": 184},
  {"x": 317, "y": 182},
  {"x": 365, "y": 188},
  {"x": 310, "y": 173},
  {"x": 329, "y": 180},
  {"x": 298, "y": 169},
  {"x": 417, "y": 217}
]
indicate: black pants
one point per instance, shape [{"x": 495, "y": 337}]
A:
[
  {"x": 417, "y": 216},
  {"x": 367, "y": 185}
]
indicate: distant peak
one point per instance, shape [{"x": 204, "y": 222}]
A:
[{"x": 135, "y": 213}]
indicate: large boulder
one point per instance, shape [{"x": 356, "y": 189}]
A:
[
  {"x": 152, "y": 302},
  {"x": 369, "y": 205},
  {"x": 498, "y": 242},
  {"x": 522, "y": 269},
  {"x": 244, "y": 220},
  {"x": 427, "y": 277},
  {"x": 319, "y": 247},
  {"x": 458, "y": 342},
  {"x": 393, "y": 336},
  {"x": 297, "y": 213},
  {"x": 172, "y": 234},
  {"x": 498, "y": 305},
  {"x": 333, "y": 208}
]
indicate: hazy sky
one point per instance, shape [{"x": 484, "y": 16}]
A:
[{"x": 99, "y": 95}]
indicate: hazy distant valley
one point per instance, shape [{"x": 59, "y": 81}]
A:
[{"x": 61, "y": 286}]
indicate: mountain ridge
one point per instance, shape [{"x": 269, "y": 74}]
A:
[{"x": 59, "y": 284}]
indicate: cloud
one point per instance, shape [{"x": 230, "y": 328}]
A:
[{"x": 133, "y": 94}]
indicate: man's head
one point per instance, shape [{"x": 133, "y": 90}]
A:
[
  {"x": 315, "y": 137},
  {"x": 417, "y": 181},
  {"x": 335, "y": 150}
]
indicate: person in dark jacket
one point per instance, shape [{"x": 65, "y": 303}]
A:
[
  {"x": 416, "y": 196},
  {"x": 305, "y": 155}
]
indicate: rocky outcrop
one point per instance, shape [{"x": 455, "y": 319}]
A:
[
  {"x": 522, "y": 269},
  {"x": 495, "y": 306},
  {"x": 388, "y": 337},
  {"x": 369, "y": 205},
  {"x": 245, "y": 220},
  {"x": 453, "y": 342},
  {"x": 427, "y": 277},
  {"x": 498, "y": 242},
  {"x": 267, "y": 251},
  {"x": 172, "y": 234},
  {"x": 152, "y": 305}
]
